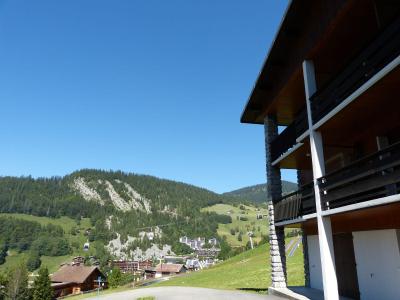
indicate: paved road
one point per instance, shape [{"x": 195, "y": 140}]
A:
[{"x": 184, "y": 293}]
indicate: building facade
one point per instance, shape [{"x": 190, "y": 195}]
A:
[
  {"x": 327, "y": 98},
  {"x": 77, "y": 279}
]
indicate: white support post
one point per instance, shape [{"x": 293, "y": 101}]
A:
[{"x": 324, "y": 223}]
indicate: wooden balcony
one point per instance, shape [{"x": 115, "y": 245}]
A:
[
  {"x": 287, "y": 138},
  {"x": 372, "y": 177},
  {"x": 295, "y": 205},
  {"x": 381, "y": 51}
]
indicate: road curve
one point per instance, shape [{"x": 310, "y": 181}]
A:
[{"x": 184, "y": 293}]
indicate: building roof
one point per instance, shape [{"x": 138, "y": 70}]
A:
[
  {"x": 77, "y": 274},
  {"x": 60, "y": 285},
  {"x": 169, "y": 268},
  {"x": 301, "y": 29}
]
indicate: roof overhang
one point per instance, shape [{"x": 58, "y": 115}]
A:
[{"x": 301, "y": 29}]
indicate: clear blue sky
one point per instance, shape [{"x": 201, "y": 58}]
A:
[{"x": 151, "y": 87}]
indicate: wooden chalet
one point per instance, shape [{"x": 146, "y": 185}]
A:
[
  {"x": 169, "y": 269},
  {"x": 76, "y": 279},
  {"x": 327, "y": 96}
]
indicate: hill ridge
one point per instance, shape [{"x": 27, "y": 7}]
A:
[{"x": 257, "y": 193}]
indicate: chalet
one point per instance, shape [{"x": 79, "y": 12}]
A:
[
  {"x": 76, "y": 279},
  {"x": 169, "y": 269},
  {"x": 131, "y": 266},
  {"x": 327, "y": 96}
]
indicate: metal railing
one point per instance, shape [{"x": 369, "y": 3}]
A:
[
  {"x": 372, "y": 177},
  {"x": 381, "y": 51}
]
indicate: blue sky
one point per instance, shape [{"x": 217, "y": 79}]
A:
[{"x": 151, "y": 87}]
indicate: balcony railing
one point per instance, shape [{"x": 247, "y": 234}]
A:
[
  {"x": 295, "y": 205},
  {"x": 384, "y": 49},
  {"x": 287, "y": 138},
  {"x": 372, "y": 177}
]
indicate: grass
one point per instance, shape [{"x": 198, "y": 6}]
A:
[
  {"x": 104, "y": 292},
  {"x": 13, "y": 260},
  {"x": 52, "y": 263},
  {"x": 146, "y": 298},
  {"x": 65, "y": 222},
  {"x": 258, "y": 227},
  {"x": 249, "y": 270}
]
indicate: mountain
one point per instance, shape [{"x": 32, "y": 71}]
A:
[
  {"x": 129, "y": 213},
  {"x": 258, "y": 193}
]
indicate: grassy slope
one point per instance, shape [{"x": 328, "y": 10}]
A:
[
  {"x": 249, "y": 270},
  {"x": 53, "y": 263},
  {"x": 244, "y": 226}
]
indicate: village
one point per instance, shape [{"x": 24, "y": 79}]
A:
[{"x": 83, "y": 275}]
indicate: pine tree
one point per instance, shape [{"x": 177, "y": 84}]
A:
[{"x": 42, "y": 286}]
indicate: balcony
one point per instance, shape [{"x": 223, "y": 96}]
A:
[
  {"x": 372, "y": 177},
  {"x": 380, "y": 52},
  {"x": 295, "y": 205},
  {"x": 287, "y": 138}
]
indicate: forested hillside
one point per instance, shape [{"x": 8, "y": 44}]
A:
[
  {"x": 258, "y": 193},
  {"x": 121, "y": 207}
]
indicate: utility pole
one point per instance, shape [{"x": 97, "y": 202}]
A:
[{"x": 250, "y": 234}]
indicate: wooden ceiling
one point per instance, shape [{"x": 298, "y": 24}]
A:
[
  {"x": 329, "y": 32},
  {"x": 374, "y": 218},
  {"x": 374, "y": 113}
]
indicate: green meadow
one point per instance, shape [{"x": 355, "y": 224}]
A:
[
  {"x": 249, "y": 270},
  {"x": 259, "y": 227}
]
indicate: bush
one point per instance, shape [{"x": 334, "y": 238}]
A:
[
  {"x": 116, "y": 278},
  {"x": 233, "y": 232},
  {"x": 239, "y": 238},
  {"x": 181, "y": 249},
  {"x": 3, "y": 253},
  {"x": 33, "y": 261}
]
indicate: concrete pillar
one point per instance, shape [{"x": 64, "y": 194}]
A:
[
  {"x": 325, "y": 238},
  {"x": 274, "y": 186}
]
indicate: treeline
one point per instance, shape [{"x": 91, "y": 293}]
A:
[
  {"x": 49, "y": 197},
  {"x": 173, "y": 203},
  {"x": 21, "y": 235}
]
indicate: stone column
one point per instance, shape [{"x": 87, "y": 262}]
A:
[
  {"x": 274, "y": 187},
  {"x": 306, "y": 260}
]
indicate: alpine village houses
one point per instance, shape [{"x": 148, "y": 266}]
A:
[
  {"x": 75, "y": 279},
  {"x": 327, "y": 96}
]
